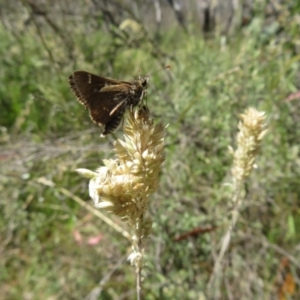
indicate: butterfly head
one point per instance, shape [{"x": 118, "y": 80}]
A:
[{"x": 143, "y": 80}]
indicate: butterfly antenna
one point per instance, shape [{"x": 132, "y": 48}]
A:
[{"x": 166, "y": 67}]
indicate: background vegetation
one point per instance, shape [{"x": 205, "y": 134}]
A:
[{"x": 54, "y": 248}]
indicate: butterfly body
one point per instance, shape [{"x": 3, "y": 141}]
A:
[{"x": 106, "y": 98}]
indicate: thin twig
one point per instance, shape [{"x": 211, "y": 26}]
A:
[{"x": 97, "y": 213}]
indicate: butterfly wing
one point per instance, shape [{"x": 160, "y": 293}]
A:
[{"x": 105, "y": 98}]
